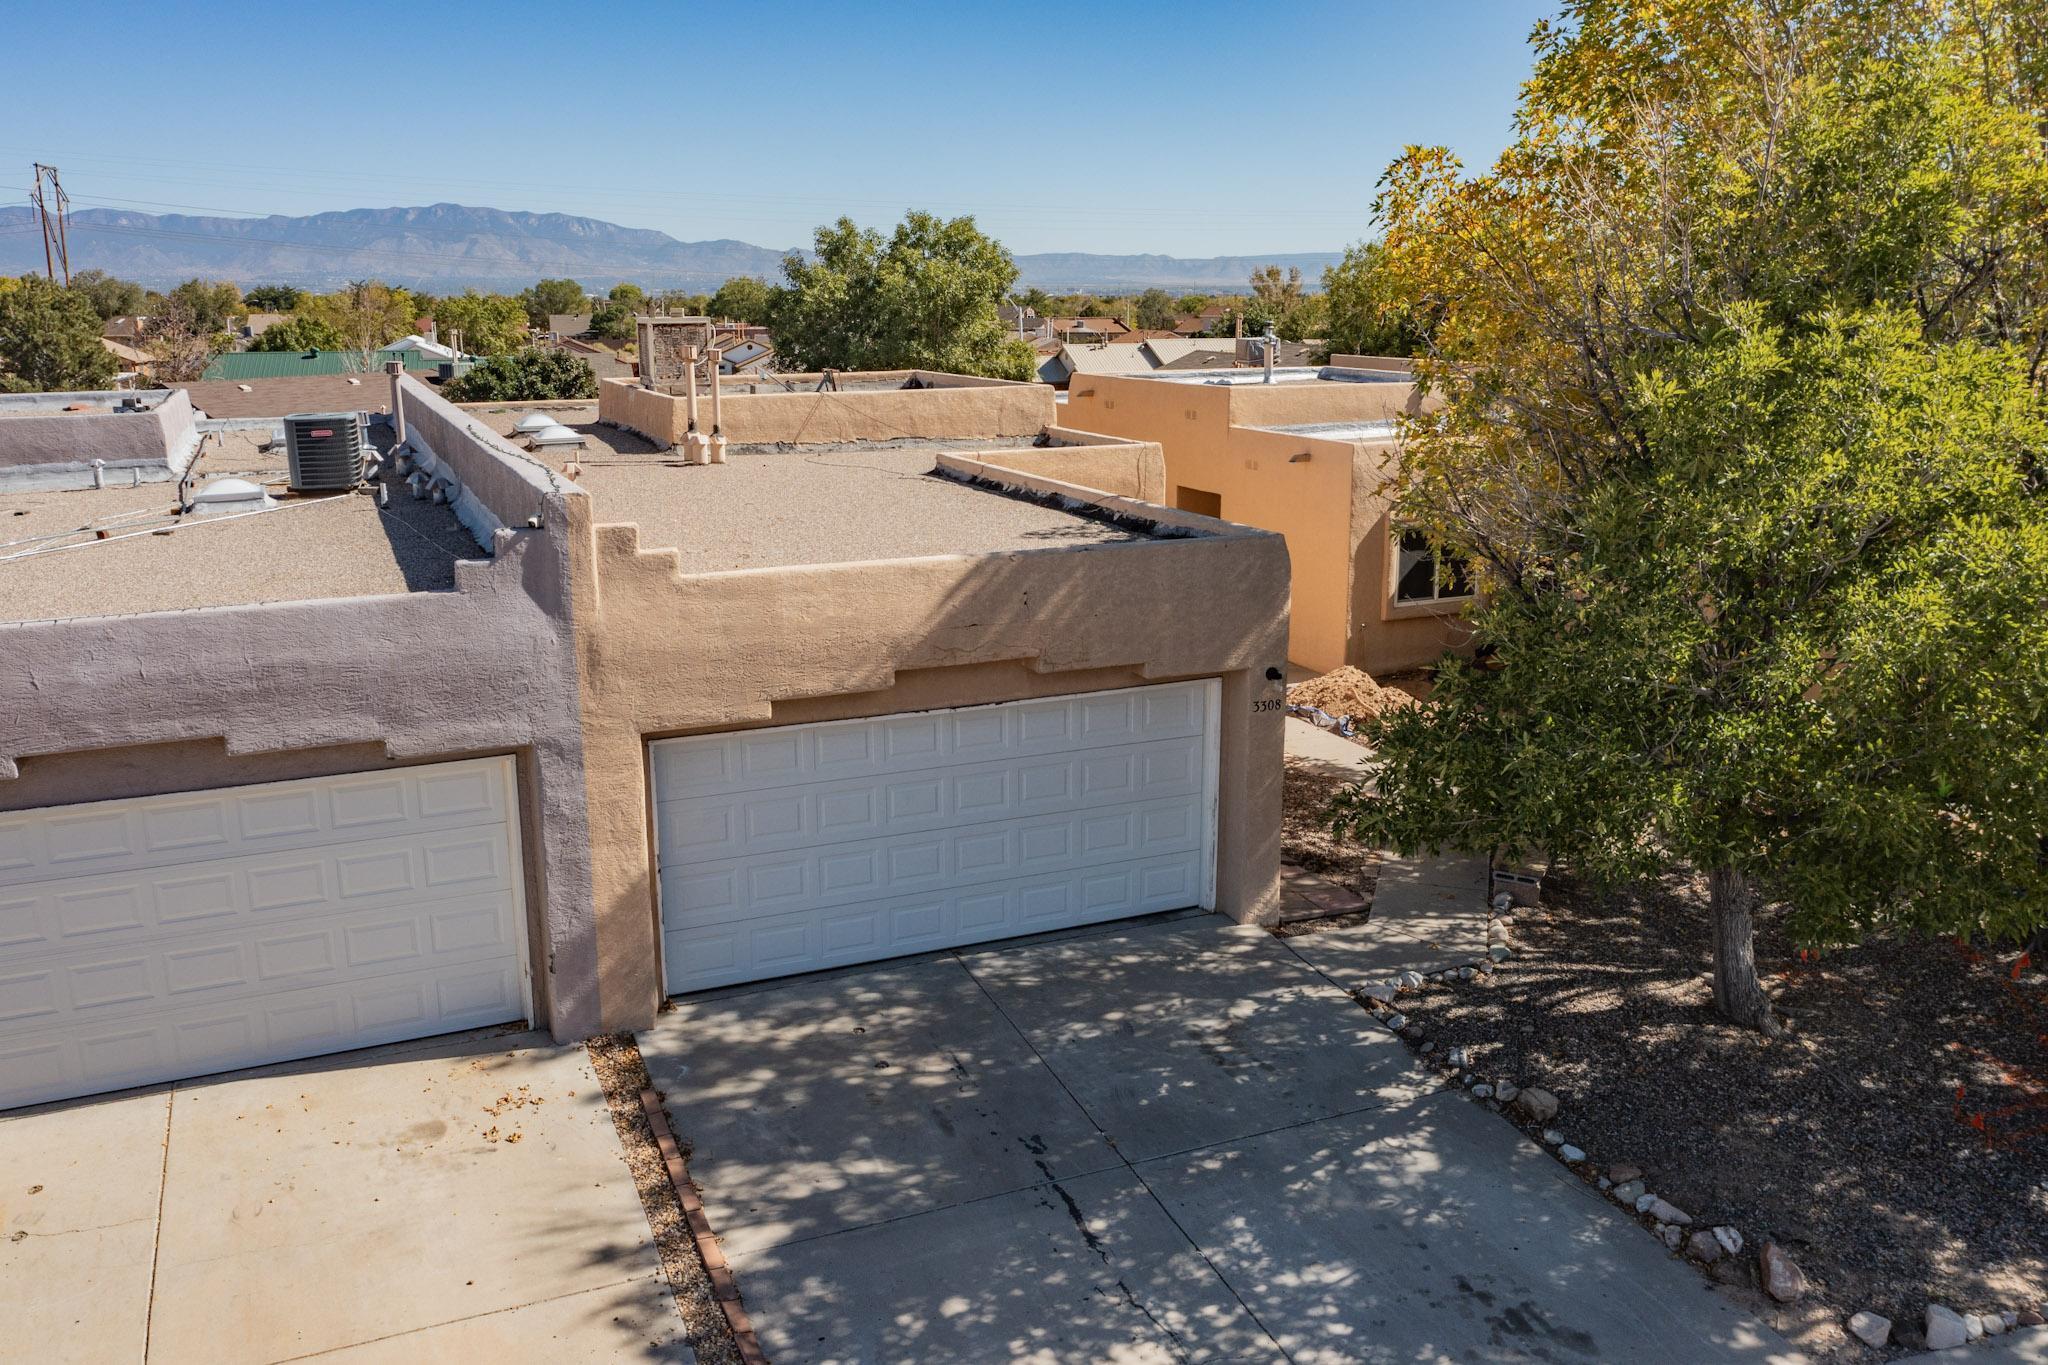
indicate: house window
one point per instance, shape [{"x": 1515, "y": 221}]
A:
[
  {"x": 1425, "y": 573},
  {"x": 1198, "y": 500}
]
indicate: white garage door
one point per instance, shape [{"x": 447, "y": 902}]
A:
[
  {"x": 806, "y": 846},
  {"x": 171, "y": 936}
]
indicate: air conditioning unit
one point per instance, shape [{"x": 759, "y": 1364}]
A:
[{"x": 324, "y": 450}]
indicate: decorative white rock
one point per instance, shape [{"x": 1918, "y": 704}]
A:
[
  {"x": 1673, "y": 1235},
  {"x": 1397, "y": 1021},
  {"x": 1498, "y": 952},
  {"x": 1459, "y": 1058},
  {"x": 1628, "y": 1191},
  {"x": 1729, "y": 1238},
  {"x": 1643, "y": 1201},
  {"x": 1410, "y": 980},
  {"x": 1945, "y": 1328},
  {"x": 1571, "y": 1154},
  {"x": 1782, "y": 1277},
  {"x": 1539, "y": 1105},
  {"x": 1551, "y": 1137},
  {"x": 1994, "y": 1324},
  {"x": 1870, "y": 1328},
  {"x": 1973, "y": 1326},
  {"x": 1506, "y": 1091},
  {"x": 1483, "y": 1090}
]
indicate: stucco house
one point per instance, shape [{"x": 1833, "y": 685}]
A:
[
  {"x": 511, "y": 734},
  {"x": 1307, "y": 453}
]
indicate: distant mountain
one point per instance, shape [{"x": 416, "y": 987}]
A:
[
  {"x": 451, "y": 246},
  {"x": 1078, "y": 270}
]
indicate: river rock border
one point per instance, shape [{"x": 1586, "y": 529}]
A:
[{"x": 1716, "y": 1250}]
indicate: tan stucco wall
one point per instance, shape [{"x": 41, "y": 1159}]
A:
[
  {"x": 1107, "y": 464},
  {"x": 1330, "y": 506},
  {"x": 966, "y": 409},
  {"x": 663, "y": 654},
  {"x": 1385, "y": 637}
]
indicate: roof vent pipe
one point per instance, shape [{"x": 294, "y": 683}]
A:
[
  {"x": 1271, "y": 345},
  {"x": 716, "y": 451},
  {"x": 696, "y": 450}
]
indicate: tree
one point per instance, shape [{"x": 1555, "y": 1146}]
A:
[
  {"x": 740, "y": 299},
  {"x": 1309, "y": 319},
  {"x": 630, "y": 296},
  {"x": 682, "y": 304},
  {"x": 367, "y": 315},
  {"x": 1193, "y": 303},
  {"x": 488, "y": 324},
  {"x": 1154, "y": 310},
  {"x": 534, "y": 373},
  {"x": 209, "y": 307},
  {"x": 179, "y": 339},
  {"x": 550, "y": 297},
  {"x": 1278, "y": 292},
  {"x": 1735, "y": 349},
  {"x": 274, "y": 298},
  {"x": 923, "y": 297},
  {"x": 1362, "y": 316},
  {"x": 613, "y": 321},
  {"x": 110, "y": 297},
  {"x": 50, "y": 340},
  {"x": 298, "y": 334}
]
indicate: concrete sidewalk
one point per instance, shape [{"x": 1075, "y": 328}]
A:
[
  {"x": 457, "y": 1199},
  {"x": 1172, "y": 1141},
  {"x": 1427, "y": 912}
]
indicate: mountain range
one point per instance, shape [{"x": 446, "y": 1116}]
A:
[{"x": 453, "y": 246}]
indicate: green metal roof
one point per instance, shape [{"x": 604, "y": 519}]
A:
[{"x": 291, "y": 364}]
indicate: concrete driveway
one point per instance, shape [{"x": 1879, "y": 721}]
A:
[
  {"x": 1173, "y": 1142},
  {"x": 451, "y": 1200}
]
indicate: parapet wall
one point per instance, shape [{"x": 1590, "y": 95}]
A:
[
  {"x": 498, "y": 485},
  {"x": 39, "y": 438},
  {"x": 942, "y": 406}
]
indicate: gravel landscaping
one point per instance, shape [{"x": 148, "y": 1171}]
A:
[{"x": 1892, "y": 1148}]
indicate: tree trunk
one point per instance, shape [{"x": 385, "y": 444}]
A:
[{"x": 1738, "y": 994}]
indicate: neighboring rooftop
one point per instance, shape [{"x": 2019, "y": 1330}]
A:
[
  {"x": 784, "y": 505},
  {"x": 53, "y": 563},
  {"x": 299, "y": 364},
  {"x": 1290, "y": 374},
  {"x": 1384, "y": 430}
]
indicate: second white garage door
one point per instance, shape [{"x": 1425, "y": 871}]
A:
[
  {"x": 801, "y": 847},
  {"x": 171, "y": 936}
]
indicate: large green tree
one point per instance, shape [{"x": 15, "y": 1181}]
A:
[
  {"x": 534, "y": 373},
  {"x": 111, "y": 296},
  {"x": 1734, "y": 349},
  {"x": 489, "y": 324},
  {"x": 740, "y": 299},
  {"x": 298, "y": 334},
  {"x": 548, "y": 297},
  {"x": 923, "y": 297},
  {"x": 1364, "y": 315},
  {"x": 50, "y": 339}
]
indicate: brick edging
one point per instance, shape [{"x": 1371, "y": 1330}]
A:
[{"x": 723, "y": 1288}]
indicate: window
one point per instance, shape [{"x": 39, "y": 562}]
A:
[
  {"x": 1423, "y": 573},
  {"x": 1198, "y": 500}
]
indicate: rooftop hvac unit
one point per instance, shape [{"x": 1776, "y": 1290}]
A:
[{"x": 324, "y": 450}]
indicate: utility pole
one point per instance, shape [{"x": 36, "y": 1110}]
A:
[{"x": 52, "y": 209}]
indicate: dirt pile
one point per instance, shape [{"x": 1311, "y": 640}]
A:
[{"x": 1348, "y": 692}]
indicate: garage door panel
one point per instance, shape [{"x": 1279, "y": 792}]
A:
[
  {"x": 783, "y": 851},
  {"x": 396, "y": 913},
  {"x": 844, "y": 874},
  {"x": 708, "y": 955},
  {"x": 158, "y": 832},
  {"x": 196, "y": 1040},
  {"x": 149, "y": 906},
  {"x": 257, "y": 960},
  {"x": 707, "y": 828},
  {"x": 755, "y": 759}
]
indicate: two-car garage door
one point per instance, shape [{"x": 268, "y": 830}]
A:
[
  {"x": 170, "y": 936},
  {"x": 801, "y": 847}
]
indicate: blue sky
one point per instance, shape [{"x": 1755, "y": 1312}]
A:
[{"x": 1190, "y": 129}]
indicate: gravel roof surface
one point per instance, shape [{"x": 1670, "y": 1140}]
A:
[
  {"x": 769, "y": 507},
  {"x": 342, "y": 546}
]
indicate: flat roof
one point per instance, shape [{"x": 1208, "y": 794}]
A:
[
  {"x": 781, "y": 506},
  {"x": 54, "y": 565},
  {"x": 1340, "y": 431},
  {"x": 1282, "y": 374}
]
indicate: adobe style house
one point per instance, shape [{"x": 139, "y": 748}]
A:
[
  {"x": 1307, "y": 454},
  {"x": 550, "y": 733}
]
